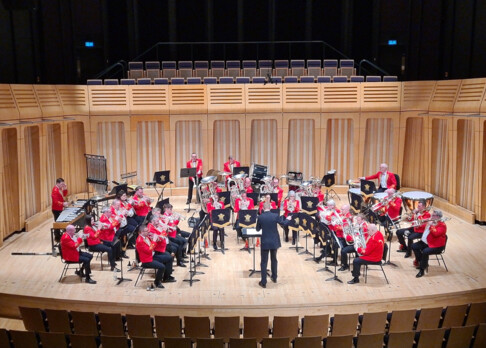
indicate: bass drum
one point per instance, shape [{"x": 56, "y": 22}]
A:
[{"x": 412, "y": 198}]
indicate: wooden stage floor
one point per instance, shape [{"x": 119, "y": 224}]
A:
[{"x": 226, "y": 288}]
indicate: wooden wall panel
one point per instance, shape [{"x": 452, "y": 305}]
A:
[
  {"x": 108, "y": 100},
  {"x": 381, "y": 96},
  {"x": 151, "y": 151},
  {"x": 188, "y": 139},
  {"x": 343, "y": 97},
  {"x": 301, "y": 151},
  {"x": 464, "y": 158},
  {"x": 8, "y": 108},
  {"x": 53, "y": 158},
  {"x": 440, "y": 156},
  {"x": 49, "y": 100},
  {"x": 149, "y": 99},
  {"x": 226, "y": 142},
  {"x": 470, "y": 96},
  {"x": 26, "y": 102},
  {"x": 264, "y": 134},
  {"x": 444, "y": 96},
  {"x": 416, "y": 95},
  {"x": 75, "y": 170},
  {"x": 481, "y": 201},
  {"x": 226, "y": 99},
  {"x": 301, "y": 98},
  {"x": 187, "y": 99},
  {"x": 340, "y": 149},
  {"x": 111, "y": 143},
  {"x": 414, "y": 153},
  {"x": 74, "y": 99},
  {"x": 263, "y": 98},
  {"x": 31, "y": 165}
]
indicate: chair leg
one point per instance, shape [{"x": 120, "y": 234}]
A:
[
  {"x": 366, "y": 273},
  {"x": 442, "y": 257},
  {"x": 140, "y": 275},
  {"x": 64, "y": 270},
  {"x": 384, "y": 274}
]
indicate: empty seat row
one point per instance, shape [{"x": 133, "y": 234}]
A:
[{"x": 240, "y": 79}]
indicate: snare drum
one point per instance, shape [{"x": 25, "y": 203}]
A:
[{"x": 411, "y": 199}]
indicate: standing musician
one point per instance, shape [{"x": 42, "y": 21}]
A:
[
  {"x": 243, "y": 203},
  {"x": 385, "y": 178},
  {"x": 277, "y": 189},
  {"x": 94, "y": 241},
  {"x": 58, "y": 196},
  {"x": 268, "y": 199},
  {"x": 247, "y": 185},
  {"x": 290, "y": 205},
  {"x": 145, "y": 248},
  {"x": 159, "y": 237},
  {"x": 194, "y": 162},
  {"x": 141, "y": 204},
  {"x": 228, "y": 166},
  {"x": 173, "y": 246},
  {"x": 413, "y": 232},
  {"x": 432, "y": 242},
  {"x": 108, "y": 232},
  {"x": 360, "y": 224},
  {"x": 372, "y": 253},
  {"x": 213, "y": 204},
  {"x": 69, "y": 245},
  {"x": 331, "y": 216}
]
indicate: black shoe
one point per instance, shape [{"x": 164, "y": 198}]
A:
[
  {"x": 318, "y": 259},
  {"x": 332, "y": 263},
  {"x": 115, "y": 269},
  {"x": 420, "y": 274},
  {"x": 169, "y": 279},
  {"x": 188, "y": 202},
  {"x": 215, "y": 247},
  {"x": 79, "y": 273},
  {"x": 180, "y": 264},
  {"x": 274, "y": 279},
  {"x": 159, "y": 285},
  {"x": 343, "y": 268},
  {"x": 354, "y": 281},
  {"x": 262, "y": 285},
  {"x": 293, "y": 241},
  {"x": 90, "y": 281},
  {"x": 407, "y": 255},
  {"x": 402, "y": 249},
  {"x": 286, "y": 239},
  {"x": 125, "y": 256}
]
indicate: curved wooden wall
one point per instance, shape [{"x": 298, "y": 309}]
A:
[{"x": 431, "y": 133}]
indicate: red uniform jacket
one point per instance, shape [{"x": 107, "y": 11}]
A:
[
  {"x": 260, "y": 206},
  {"x": 93, "y": 236},
  {"x": 249, "y": 189},
  {"x": 421, "y": 228},
  {"x": 437, "y": 235},
  {"x": 161, "y": 244},
  {"x": 251, "y": 204},
  {"x": 140, "y": 206},
  {"x": 227, "y": 167},
  {"x": 199, "y": 165},
  {"x": 279, "y": 194},
  {"x": 173, "y": 231},
  {"x": 320, "y": 196},
  {"x": 107, "y": 233},
  {"x": 296, "y": 210},
  {"x": 393, "y": 208},
  {"x": 338, "y": 229},
  {"x": 145, "y": 251},
  {"x": 58, "y": 198},
  {"x": 391, "y": 181},
  {"x": 69, "y": 248},
  {"x": 374, "y": 248}
]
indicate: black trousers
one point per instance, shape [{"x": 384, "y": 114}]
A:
[
  {"x": 357, "y": 262},
  {"x": 85, "y": 259},
  {"x": 159, "y": 267},
  {"x": 344, "y": 254},
  {"x": 104, "y": 249},
  {"x": 216, "y": 232},
  {"x": 412, "y": 235},
  {"x": 176, "y": 249},
  {"x": 422, "y": 252},
  {"x": 264, "y": 262},
  {"x": 57, "y": 232},
  {"x": 191, "y": 186},
  {"x": 166, "y": 259},
  {"x": 115, "y": 247}
]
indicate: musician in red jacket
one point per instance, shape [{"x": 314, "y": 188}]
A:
[
  {"x": 348, "y": 246},
  {"x": 268, "y": 199},
  {"x": 247, "y": 185},
  {"x": 161, "y": 253},
  {"x": 372, "y": 253},
  {"x": 94, "y": 242},
  {"x": 433, "y": 241},
  {"x": 194, "y": 162},
  {"x": 413, "y": 232},
  {"x": 385, "y": 178},
  {"x": 69, "y": 245},
  {"x": 277, "y": 189},
  {"x": 59, "y": 192},
  {"x": 228, "y": 166},
  {"x": 141, "y": 204},
  {"x": 243, "y": 203},
  {"x": 145, "y": 249},
  {"x": 290, "y": 205},
  {"x": 213, "y": 204}
]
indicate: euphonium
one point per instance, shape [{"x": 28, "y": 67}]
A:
[{"x": 358, "y": 238}]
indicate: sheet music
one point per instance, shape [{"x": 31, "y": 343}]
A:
[{"x": 251, "y": 232}]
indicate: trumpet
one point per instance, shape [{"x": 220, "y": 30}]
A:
[
  {"x": 291, "y": 206},
  {"x": 156, "y": 237},
  {"x": 244, "y": 205},
  {"x": 416, "y": 223}
]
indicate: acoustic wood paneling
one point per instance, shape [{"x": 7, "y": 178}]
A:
[
  {"x": 76, "y": 166},
  {"x": 464, "y": 164},
  {"x": 186, "y": 99},
  {"x": 151, "y": 151},
  {"x": 439, "y": 166},
  {"x": 226, "y": 140},
  {"x": 470, "y": 96},
  {"x": 32, "y": 182},
  {"x": 150, "y": 99},
  {"x": 49, "y": 100},
  {"x": 301, "y": 147},
  {"x": 188, "y": 139},
  {"x": 413, "y": 172},
  {"x": 226, "y": 98},
  {"x": 53, "y": 157},
  {"x": 444, "y": 96},
  {"x": 416, "y": 95},
  {"x": 111, "y": 144},
  {"x": 340, "y": 97},
  {"x": 8, "y": 108},
  {"x": 381, "y": 96},
  {"x": 264, "y": 143},
  {"x": 263, "y": 98},
  {"x": 10, "y": 178},
  {"x": 378, "y": 145},
  {"x": 108, "y": 100},
  {"x": 301, "y": 98},
  {"x": 26, "y": 102},
  {"x": 74, "y": 99},
  {"x": 340, "y": 146},
  {"x": 482, "y": 197}
]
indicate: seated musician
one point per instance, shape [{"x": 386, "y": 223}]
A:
[
  {"x": 385, "y": 178},
  {"x": 127, "y": 206},
  {"x": 141, "y": 204},
  {"x": 349, "y": 245},
  {"x": 243, "y": 203},
  {"x": 247, "y": 185},
  {"x": 94, "y": 241},
  {"x": 173, "y": 247},
  {"x": 145, "y": 249},
  {"x": 108, "y": 237},
  {"x": 213, "y": 204},
  {"x": 371, "y": 254},
  {"x": 432, "y": 242},
  {"x": 176, "y": 235},
  {"x": 318, "y": 193},
  {"x": 161, "y": 254},
  {"x": 121, "y": 214},
  {"x": 69, "y": 244},
  {"x": 392, "y": 209},
  {"x": 331, "y": 216},
  {"x": 268, "y": 199},
  {"x": 277, "y": 189},
  {"x": 290, "y": 205},
  {"x": 413, "y": 232},
  {"x": 228, "y": 166}
]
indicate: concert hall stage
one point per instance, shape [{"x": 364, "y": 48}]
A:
[{"x": 226, "y": 288}]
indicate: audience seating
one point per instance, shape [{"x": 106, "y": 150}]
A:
[
  {"x": 339, "y": 79},
  {"x": 308, "y": 342},
  {"x": 285, "y": 327},
  {"x": 356, "y": 79},
  {"x": 373, "y": 323},
  {"x": 210, "y": 80},
  {"x": 290, "y": 79},
  {"x": 307, "y": 79},
  {"x": 454, "y": 316},
  {"x": 139, "y": 325},
  {"x": 114, "y": 342},
  {"x": 323, "y": 79},
  {"x": 53, "y": 340},
  {"x": 402, "y": 339},
  {"x": 297, "y": 67},
  {"x": 217, "y": 68},
  {"x": 281, "y": 68},
  {"x": 233, "y": 68},
  {"x": 314, "y": 67},
  {"x": 145, "y": 342},
  {"x": 344, "y": 324},
  {"x": 34, "y": 319},
  {"x": 431, "y": 338},
  {"x": 201, "y": 68},
  {"x": 226, "y": 80},
  {"x": 258, "y": 79},
  {"x": 315, "y": 325},
  {"x": 226, "y": 328},
  {"x": 179, "y": 342},
  {"x": 84, "y": 323},
  {"x": 476, "y": 314},
  {"x": 122, "y": 82},
  {"x": 152, "y": 70},
  {"x": 168, "y": 326},
  {"x": 265, "y": 67},
  {"x": 111, "y": 324},
  {"x": 193, "y": 80},
  {"x": 242, "y": 343},
  {"x": 209, "y": 343},
  {"x": 428, "y": 318},
  {"x": 94, "y": 82},
  {"x": 84, "y": 341},
  {"x": 346, "y": 67},
  {"x": 177, "y": 81},
  {"x": 280, "y": 342},
  {"x": 144, "y": 81},
  {"x": 249, "y": 68},
  {"x": 58, "y": 320},
  {"x": 185, "y": 68},
  {"x": 161, "y": 81},
  {"x": 111, "y": 81},
  {"x": 197, "y": 327},
  {"x": 169, "y": 69},
  {"x": 135, "y": 70},
  {"x": 373, "y": 78},
  {"x": 330, "y": 67},
  {"x": 256, "y": 327},
  {"x": 390, "y": 79}
]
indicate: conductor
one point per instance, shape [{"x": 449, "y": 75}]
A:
[{"x": 267, "y": 223}]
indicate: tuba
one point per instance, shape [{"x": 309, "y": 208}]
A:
[
  {"x": 206, "y": 190},
  {"x": 235, "y": 184},
  {"x": 358, "y": 238},
  {"x": 267, "y": 186}
]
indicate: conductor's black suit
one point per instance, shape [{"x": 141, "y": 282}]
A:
[{"x": 267, "y": 223}]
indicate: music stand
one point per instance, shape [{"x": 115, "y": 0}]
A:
[
  {"x": 368, "y": 188},
  {"x": 313, "y": 231},
  {"x": 254, "y": 197},
  {"x": 121, "y": 279},
  {"x": 161, "y": 204},
  {"x": 305, "y": 222},
  {"x": 118, "y": 188},
  {"x": 328, "y": 181},
  {"x": 253, "y": 233},
  {"x": 191, "y": 247},
  {"x": 220, "y": 218},
  {"x": 390, "y": 237},
  {"x": 335, "y": 240},
  {"x": 247, "y": 219},
  {"x": 294, "y": 226},
  {"x": 241, "y": 170},
  {"x": 202, "y": 228},
  {"x": 188, "y": 173},
  {"x": 225, "y": 198},
  {"x": 161, "y": 177},
  {"x": 355, "y": 201},
  {"x": 324, "y": 234}
]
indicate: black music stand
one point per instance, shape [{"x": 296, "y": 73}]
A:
[
  {"x": 118, "y": 188},
  {"x": 294, "y": 225},
  {"x": 225, "y": 198},
  {"x": 202, "y": 227},
  {"x": 355, "y": 201},
  {"x": 247, "y": 219},
  {"x": 313, "y": 231},
  {"x": 254, "y": 197},
  {"x": 188, "y": 173},
  {"x": 259, "y": 172},
  {"x": 324, "y": 236},
  {"x": 241, "y": 170},
  {"x": 305, "y": 222},
  {"x": 328, "y": 181},
  {"x": 121, "y": 279},
  {"x": 335, "y": 239},
  {"x": 191, "y": 247},
  {"x": 390, "y": 237},
  {"x": 253, "y": 233},
  {"x": 161, "y": 177},
  {"x": 368, "y": 188},
  {"x": 220, "y": 218},
  {"x": 160, "y": 204}
]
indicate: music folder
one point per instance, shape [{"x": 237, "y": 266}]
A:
[
  {"x": 162, "y": 177},
  {"x": 241, "y": 170},
  {"x": 309, "y": 204},
  {"x": 188, "y": 172},
  {"x": 328, "y": 180},
  {"x": 247, "y": 218},
  {"x": 254, "y": 197},
  {"x": 221, "y": 218},
  {"x": 367, "y": 187},
  {"x": 225, "y": 199},
  {"x": 307, "y": 223},
  {"x": 161, "y": 203}
]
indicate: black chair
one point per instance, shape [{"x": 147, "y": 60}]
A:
[
  {"x": 441, "y": 254},
  {"x": 397, "y": 178},
  {"x": 68, "y": 265},
  {"x": 378, "y": 263}
]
